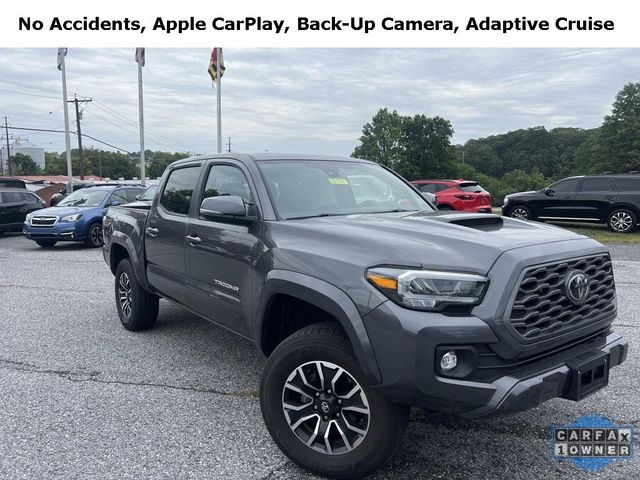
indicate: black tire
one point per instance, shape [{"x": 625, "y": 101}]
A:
[
  {"x": 325, "y": 344},
  {"x": 137, "y": 308},
  {"x": 622, "y": 220},
  {"x": 94, "y": 235},
  {"x": 520, "y": 212},
  {"x": 46, "y": 243}
]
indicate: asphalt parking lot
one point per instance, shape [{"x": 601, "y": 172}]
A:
[{"x": 80, "y": 397}]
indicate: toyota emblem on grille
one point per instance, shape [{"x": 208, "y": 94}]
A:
[{"x": 577, "y": 287}]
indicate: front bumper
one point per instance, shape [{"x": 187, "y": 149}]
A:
[
  {"x": 405, "y": 344},
  {"x": 60, "y": 232}
]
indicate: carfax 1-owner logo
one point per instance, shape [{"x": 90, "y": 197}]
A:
[{"x": 592, "y": 442}]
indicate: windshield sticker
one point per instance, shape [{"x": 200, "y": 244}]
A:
[{"x": 338, "y": 181}]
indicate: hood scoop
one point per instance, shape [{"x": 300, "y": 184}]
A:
[{"x": 478, "y": 221}]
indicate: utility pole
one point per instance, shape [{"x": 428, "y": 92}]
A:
[
  {"x": 229, "y": 149},
  {"x": 6, "y": 131},
  {"x": 80, "y": 152}
]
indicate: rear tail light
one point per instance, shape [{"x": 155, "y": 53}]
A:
[{"x": 466, "y": 197}]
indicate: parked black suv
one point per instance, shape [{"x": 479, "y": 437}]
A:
[
  {"x": 15, "y": 204},
  {"x": 613, "y": 199}
]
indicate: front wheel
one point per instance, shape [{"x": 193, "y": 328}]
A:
[
  {"x": 94, "y": 236},
  {"x": 320, "y": 410},
  {"x": 520, "y": 212},
  {"x": 622, "y": 220}
]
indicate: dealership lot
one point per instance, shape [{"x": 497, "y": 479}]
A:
[{"x": 80, "y": 397}]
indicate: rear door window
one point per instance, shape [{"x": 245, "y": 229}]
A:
[
  {"x": 178, "y": 191},
  {"x": 12, "y": 197},
  {"x": 429, "y": 188},
  {"x": 628, "y": 184},
  {"x": 596, "y": 185}
]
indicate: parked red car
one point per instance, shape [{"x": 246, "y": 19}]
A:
[{"x": 462, "y": 195}]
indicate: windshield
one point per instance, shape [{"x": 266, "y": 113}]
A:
[
  {"x": 84, "y": 198},
  {"x": 312, "y": 188},
  {"x": 149, "y": 193}
]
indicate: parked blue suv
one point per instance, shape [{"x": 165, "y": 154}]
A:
[{"x": 77, "y": 218}]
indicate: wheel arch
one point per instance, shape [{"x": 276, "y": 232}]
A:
[
  {"x": 628, "y": 206},
  {"x": 323, "y": 296},
  {"x": 121, "y": 247}
]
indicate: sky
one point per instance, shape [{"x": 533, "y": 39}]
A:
[{"x": 307, "y": 100}]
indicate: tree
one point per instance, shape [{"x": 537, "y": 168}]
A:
[
  {"x": 161, "y": 160},
  {"x": 415, "y": 147},
  {"x": 426, "y": 148},
  {"x": 23, "y": 165},
  {"x": 620, "y": 135},
  {"x": 380, "y": 140}
]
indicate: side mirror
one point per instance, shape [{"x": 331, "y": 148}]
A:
[
  {"x": 114, "y": 203},
  {"x": 138, "y": 197},
  {"x": 226, "y": 206},
  {"x": 429, "y": 197}
]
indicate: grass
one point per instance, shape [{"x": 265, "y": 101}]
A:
[{"x": 599, "y": 232}]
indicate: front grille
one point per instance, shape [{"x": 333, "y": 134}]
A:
[
  {"x": 42, "y": 221},
  {"x": 542, "y": 307}
]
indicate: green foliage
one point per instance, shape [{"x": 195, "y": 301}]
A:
[
  {"x": 527, "y": 159},
  {"x": 380, "y": 140},
  {"x": 159, "y": 161},
  {"x": 22, "y": 164},
  {"x": 553, "y": 152},
  {"x": 107, "y": 164},
  {"x": 620, "y": 132},
  {"x": 415, "y": 147}
]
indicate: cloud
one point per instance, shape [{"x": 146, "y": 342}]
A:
[{"x": 309, "y": 100}]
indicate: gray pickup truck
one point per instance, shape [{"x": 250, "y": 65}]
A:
[{"x": 365, "y": 299}]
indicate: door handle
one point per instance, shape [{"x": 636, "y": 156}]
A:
[
  {"x": 153, "y": 231},
  {"x": 194, "y": 240}
]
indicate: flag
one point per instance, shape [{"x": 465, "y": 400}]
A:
[
  {"x": 213, "y": 64},
  {"x": 140, "y": 56},
  {"x": 62, "y": 52}
]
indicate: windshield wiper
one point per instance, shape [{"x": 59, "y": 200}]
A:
[
  {"x": 395, "y": 210},
  {"x": 313, "y": 216}
]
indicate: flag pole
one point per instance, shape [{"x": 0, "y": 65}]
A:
[
  {"x": 66, "y": 123},
  {"x": 141, "y": 117},
  {"x": 219, "y": 86}
]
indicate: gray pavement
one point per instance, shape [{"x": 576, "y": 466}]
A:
[{"x": 82, "y": 398}]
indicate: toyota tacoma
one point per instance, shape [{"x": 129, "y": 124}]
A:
[{"x": 366, "y": 299}]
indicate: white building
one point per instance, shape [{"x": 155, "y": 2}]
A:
[{"x": 25, "y": 147}]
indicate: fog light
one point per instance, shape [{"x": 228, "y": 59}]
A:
[{"x": 448, "y": 361}]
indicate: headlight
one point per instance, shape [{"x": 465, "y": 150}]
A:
[
  {"x": 506, "y": 199},
  {"x": 71, "y": 218},
  {"x": 28, "y": 217},
  {"x": 428, "y": 289}
]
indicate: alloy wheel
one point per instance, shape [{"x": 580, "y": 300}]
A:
[
  {"x": 124, "y": 294},
  {"x": 520, "y": 213},
  {"x": 96, "y": 235},
  {"x": 621, "y": 221},
  {"x": 326, "y": 408}
]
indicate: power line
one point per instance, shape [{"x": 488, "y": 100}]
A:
[{"x": 62, "y": 131}]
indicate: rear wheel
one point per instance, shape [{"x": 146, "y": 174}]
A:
[
  {"x": 46, "y": 243},
  {"x": 137, "y": 308},
  {"x": 622, "y": 220},
  {"x": 521, "y": 212},
  {"x": 94, "y": 236},
  {"x": 321, "y": 411}
]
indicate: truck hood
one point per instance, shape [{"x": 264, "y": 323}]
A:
[{"x": 466, "y": 242}]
